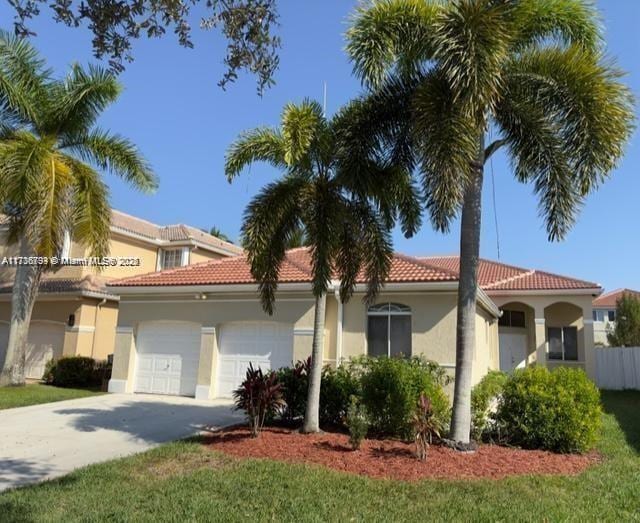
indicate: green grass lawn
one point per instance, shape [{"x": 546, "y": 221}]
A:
[
  {"x": 11, "y": 397},
  {"x": 185, "y": 482}
]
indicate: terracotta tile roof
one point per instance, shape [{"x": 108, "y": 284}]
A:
[
  {"x": 295, "y": 269},
  {"x": 609, "y": 299},
  {"x": 89, "y": 283},
  {"x": 170, "y": 233},
  {"x": 494, "y": 276}
]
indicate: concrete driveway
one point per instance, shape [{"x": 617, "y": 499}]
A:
[{"x": 45, "y": 441}]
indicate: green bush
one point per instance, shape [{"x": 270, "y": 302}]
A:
[
  {"x": 482, "y": 396},
  {"x": 337, "y": 388},
  {"x": 77, "y": 371},
  {"x": 558, "y": 411},
  {"x": 391, "y": 388}
]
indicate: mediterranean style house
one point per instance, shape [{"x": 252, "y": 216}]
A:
[
  {"x": 75, "y": 313},
  {"x": 194, "y": 330},
  {"x": 604, "y": 314}
]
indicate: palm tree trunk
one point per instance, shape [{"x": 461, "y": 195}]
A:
[
  {"x": 312, "y": 414},
  {"x": 467, "y": 292},
  {"x": 25, "y": 290}
]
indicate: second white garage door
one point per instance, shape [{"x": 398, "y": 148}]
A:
[
  {"x": 265, "y": 344},
  {"x": 168, "y": 354}
]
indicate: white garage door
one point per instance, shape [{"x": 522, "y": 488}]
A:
[
  {"x": 167, "y": 358},
  {"x": 45, "y": 342},
  {"x": 268, "y": 345}
]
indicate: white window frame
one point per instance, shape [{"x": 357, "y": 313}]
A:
[
  {"x": 392, "y": 309},
  {"x": 181, "y": 257}
]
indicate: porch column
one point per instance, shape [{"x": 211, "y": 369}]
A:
[
  {"x": 540, "y": 337},
  {"x": 588, "y": 343},
  {"x": 205, "y": 387},
  {"x": 124, "y": 361}
]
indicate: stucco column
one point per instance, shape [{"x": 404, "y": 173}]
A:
[
  {"x": 540, "y": 337},
  {"x": 589, "y": 346},
  {"x": 124, "y": 361},
  {"x": 205, "y": 387}
]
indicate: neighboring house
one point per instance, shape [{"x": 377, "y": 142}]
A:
[
  {"x": 75, "y": 313},
  {"x": 194, "y": 330},
  {"x": 604, "y": 314}
]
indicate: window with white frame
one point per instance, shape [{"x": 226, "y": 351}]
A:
[
  {"x": 171, "y": 258},
  {"x": 389, "y": 330},
  {"x": 563, "y": 343}
]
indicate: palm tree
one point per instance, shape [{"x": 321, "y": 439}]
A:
[
  {"x": 49, "y": 151},
  {"x": 444, "y": 76},
  {"x": 320, "y": 194}
]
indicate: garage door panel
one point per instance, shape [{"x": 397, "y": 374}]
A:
[
  {"x": 168, "y": 358},
  {"x": 268, "y": 345}
]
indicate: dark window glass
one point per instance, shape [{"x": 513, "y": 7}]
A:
[
  {"x": 555, "y": 343},
  {"x": 612, "y": 315},
  {"x": 401, "y": 336},
  {"x": 512, "y": 319},
  {"x": 517, "y": 319},
  {"x": 377, "y": 335},
  {"x": 570, "y": 335},
  {"x": 595, "y": 316}
]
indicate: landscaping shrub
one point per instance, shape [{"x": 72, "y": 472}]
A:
[
  {"x": 391, "y": 388},
  {"x": 558, "y": 411},
  {"x": 338, "y": 386},
  {"x": 483, "y": 395},
  {"x": 426, "y": 426},
  {"x": 295, "y": 384},
  {"x": 77, "y": 372},
  {"x": 357, "y": 422},
  {"x": 259, "y": 396}
]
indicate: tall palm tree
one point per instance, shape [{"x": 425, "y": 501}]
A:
[
  {"x": 443, "y": 75},
  {"x": 323, "y": 194},
  {"x": 50, "y": 150}
]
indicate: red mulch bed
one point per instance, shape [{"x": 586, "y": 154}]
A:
[{"x": 394, "y": 459}]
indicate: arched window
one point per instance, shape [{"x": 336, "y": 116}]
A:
[{"x": 389, "y": 330}]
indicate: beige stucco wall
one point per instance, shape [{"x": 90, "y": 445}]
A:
[
  {"x": 200, "y": 255},
  {"x": 433, "y": 326}
]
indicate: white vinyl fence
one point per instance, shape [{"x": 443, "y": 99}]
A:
[{"x": 618, "y": 367}]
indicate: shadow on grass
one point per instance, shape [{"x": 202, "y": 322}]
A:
[{"x": 625, "y": 407}]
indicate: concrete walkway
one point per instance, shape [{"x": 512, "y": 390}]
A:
[{"x": 46, "y": 441}]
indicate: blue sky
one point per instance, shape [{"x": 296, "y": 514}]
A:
[{"x": 173, "y": 109}]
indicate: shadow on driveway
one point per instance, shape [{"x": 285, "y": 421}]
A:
[{"x": 152, "y": 421}]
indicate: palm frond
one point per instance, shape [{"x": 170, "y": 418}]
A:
[
  {"x": 258, "y": 145},
  {"x": 46, "y": 231},
  {"x": 472, "y": 42},
  {"x": 391, "y": 36},
  {"x": 80, "y": 99},
  {"x": 322, "y": 220},
  {"x": 91, "y": 213},
  {"x": 375, "y": 241},
  {"x": 114, "y": 154},
  {"x": 24, "y": 93},
  {"x": 270, "y": 220},
  {"x": 539, "y": 156},
  {"x": 591, "y": 108},
  {"x": 447, "y": 145},
  {"x": 569, "y": 22},
  {"x": 302, "y": 124}
]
